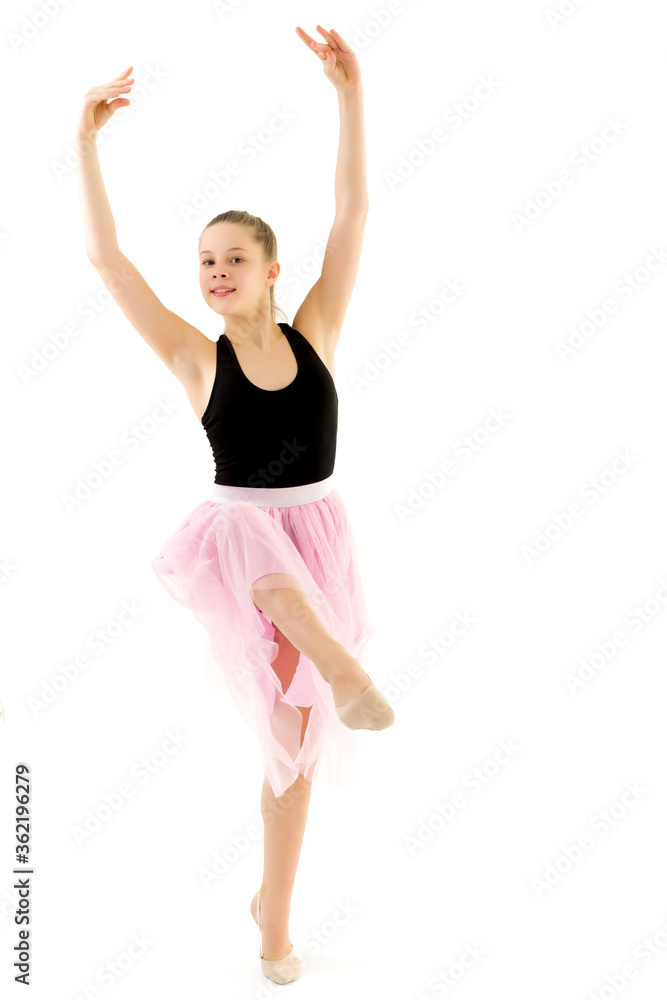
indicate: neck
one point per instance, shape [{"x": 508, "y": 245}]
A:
[{"x": 263, "y": 333}]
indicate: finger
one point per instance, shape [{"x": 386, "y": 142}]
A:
[
  {"x": 109, "y": 88},
  {"x": 121, "y": 102},
  {"x": 99, "y": 94},
  {"x": 117, "y": 79},
  {"x": 107, "y": 93},
  {"x": 105, "y": 88},
  {"x": 341, "y": 43},
  {"x": 314, "y": 46},
  {"x": 330, "y": 40},
  {"x": 320, "y": 49},
  {"x": 304, "y": 36}
]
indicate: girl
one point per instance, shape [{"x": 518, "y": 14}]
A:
[{"x": 267, "y": 564}]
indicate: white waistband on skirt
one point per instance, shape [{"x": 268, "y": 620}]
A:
[{"x": 264, "y": 496}]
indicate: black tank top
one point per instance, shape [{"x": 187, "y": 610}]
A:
[{"x": 272, "y": 437}]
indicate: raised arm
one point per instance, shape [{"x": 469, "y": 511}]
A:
[
  {"x": 173, "y": 339},
  {"x": 323, "y": 310}
]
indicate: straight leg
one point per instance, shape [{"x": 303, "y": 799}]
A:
[{"x": 284, "y": 826}]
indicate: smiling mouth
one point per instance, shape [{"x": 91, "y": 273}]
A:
[{"x": 223, "y": 291}]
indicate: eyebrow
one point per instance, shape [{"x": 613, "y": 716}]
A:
[{"x": 226, "y": 251}]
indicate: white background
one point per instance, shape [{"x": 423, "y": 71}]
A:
[{"x": 461, "y": 548}]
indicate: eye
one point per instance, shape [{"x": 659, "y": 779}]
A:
[{"x": 210, "y": 261}]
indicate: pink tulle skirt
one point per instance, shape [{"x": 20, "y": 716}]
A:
[{"x": 210, "y": 564}]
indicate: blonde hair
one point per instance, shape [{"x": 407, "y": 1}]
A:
[{"x": 263, "y": 235}]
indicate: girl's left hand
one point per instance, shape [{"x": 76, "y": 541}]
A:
[{"x": 340, "y": 64}]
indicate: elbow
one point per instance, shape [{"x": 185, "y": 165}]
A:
[
  {"x": 353, "y": 209},
  {"x": 103, "y": 258}
]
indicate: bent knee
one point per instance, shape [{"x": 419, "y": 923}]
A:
[{"x": 277, "y": 598}]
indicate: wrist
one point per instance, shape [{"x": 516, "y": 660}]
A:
[
  {"x": 85, "y": 143},
  {"x": 350, "y": 91}
]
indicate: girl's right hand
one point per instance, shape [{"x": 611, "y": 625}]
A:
[{"x": 95, "y": 112}]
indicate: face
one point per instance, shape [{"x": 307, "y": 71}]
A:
[{"x": 230, "y": 257}]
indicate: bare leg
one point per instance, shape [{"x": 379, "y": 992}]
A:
[
  {"x": 291, "y": 611},
  {"x": 298, "y": 629},
  {"x": 284, "y": 825}
]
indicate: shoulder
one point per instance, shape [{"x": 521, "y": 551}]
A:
[
  {"x": 197, "y": 359},
  {"x": 314, "y": 332}
]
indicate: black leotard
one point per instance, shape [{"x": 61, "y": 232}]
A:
[{"x": 272, "y": 438}]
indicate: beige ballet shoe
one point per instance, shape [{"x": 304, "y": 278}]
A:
[
  {"x": 370, "y": 710},
  {"x": 279, "y": 970}
]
